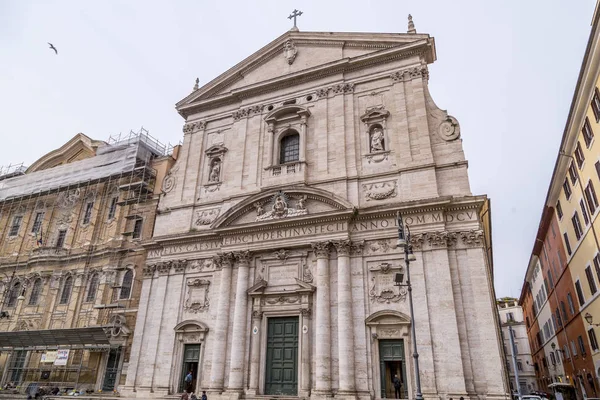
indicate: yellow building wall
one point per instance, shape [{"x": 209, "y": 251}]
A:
[{"x": 586, "y": 248}]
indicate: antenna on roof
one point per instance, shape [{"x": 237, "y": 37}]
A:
[{"x": 411, "y": 25}]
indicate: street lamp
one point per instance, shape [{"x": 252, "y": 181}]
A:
[
  {"x": 589, "y": 319},
  {"x": 404, "y": 241}
]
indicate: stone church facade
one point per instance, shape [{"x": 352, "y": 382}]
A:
[{"x": 271, "y": 270}]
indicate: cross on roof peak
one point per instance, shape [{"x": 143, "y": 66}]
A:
[{"x": 294, "y": 15}]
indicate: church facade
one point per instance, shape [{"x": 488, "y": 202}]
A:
[{"x": 271, "y": 269}]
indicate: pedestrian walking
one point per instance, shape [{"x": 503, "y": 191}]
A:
[
  {"x": 204, "y": 395},
  {"x": 397, "y": 385},
  {"x": 188, "y": 382}
]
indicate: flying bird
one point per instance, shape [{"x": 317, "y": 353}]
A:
[{"x": 53, "y": 48}]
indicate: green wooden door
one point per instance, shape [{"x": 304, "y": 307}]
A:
[
  {"x": 392, "y": 362},
  {"x": 282, "y": 356},
  {"x": 191, "y": 357}
]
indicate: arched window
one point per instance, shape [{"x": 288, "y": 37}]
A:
[
  {"x": 13, "y": 294},
  {"x": 92, "y": 288},
  {"x": 289, "y": 150},
  {"x": 66, "y": 292},
  {"x": 126, "y": 285},
  {"x": 36, "y": 291}
]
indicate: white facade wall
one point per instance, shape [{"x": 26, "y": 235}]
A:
[{"x": 329, "y": 254}]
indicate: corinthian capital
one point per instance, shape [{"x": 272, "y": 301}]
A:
[
  {"x": 343, "y": 247},
  {"x": 321, "y": 249},
  {"x": 224, "y": 260},
  {"x": 243, "y": 257}
]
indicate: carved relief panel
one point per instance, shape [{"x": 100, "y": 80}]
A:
[
  {"x": 382, "y": 288},
  {"x": 197, "y": 299},
  {"x": 282, "y": 268}
]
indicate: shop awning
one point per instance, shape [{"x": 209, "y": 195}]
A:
[{"x": 94, "y": 337}]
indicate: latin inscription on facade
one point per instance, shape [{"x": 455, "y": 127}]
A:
[{"x": 313, "y": 231}]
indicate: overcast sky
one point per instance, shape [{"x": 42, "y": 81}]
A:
[{"x": 506, "y": 70}]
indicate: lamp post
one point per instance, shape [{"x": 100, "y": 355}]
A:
[
  {"x": 404, "y": 241},
  {"x": 589, "y": 319}
]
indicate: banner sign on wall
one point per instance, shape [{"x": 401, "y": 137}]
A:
[{"x": 62, "y": 356}]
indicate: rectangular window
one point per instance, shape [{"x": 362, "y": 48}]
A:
[
  {"x": 550, "y": 280},
  {"x": 570, "y": 301},
  {"x": 577, "y": 225},
  {"x": 597, "y": 265},
  {"x": 596, "y": 104},
  {"x": 558, "y": 318},
  {"x": 553, "y": 234},
  {"x": 593, "y": 340},
  {"x": 558, "y": 356},
  {"x": 586, "y": 219},
  {"x": 579, "y": 293},
  {"x": 60, "y": 240},
  {"x": 573, "y": 348},
  {"x": 137, "y": 229},
  {"x": 554, "y": 322},
  {"x": 113, "y": 208},
  {"x": 573, "y": 173},
  {"x": 567, "y": 189},
  {"x": 581, "y": 345},
  {"x": 87, "y": 216},
  {"x": 519, "y": 365},
  {"x": 588, "y": 134},
  {"x": 590, "y": 197},
  {"x": 559, "y": 211},
  {"x": 579, "y": 157},
  {"x": 567, "y": 244},
  {"x": 591, "y": 281},
  {"x": 566, "y": 352},
  {"x": 552, "y": 358},
  {"x": 597, "y": 165},
  {"x": 37, "y": 222},
  {"x": 16, "y": 225},
  {"x": 510, "y": 317}
]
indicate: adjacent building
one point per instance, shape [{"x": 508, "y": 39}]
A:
[
  {"x": 561, "y": 288},
  {"x": 517, "y": 351},
  {"x": 71, "y": 260},
  {"x": 271, "y": 269}
]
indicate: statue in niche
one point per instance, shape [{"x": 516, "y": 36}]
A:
[
  {"x": 215, "y": 171},
  {"x": 377, "y": 140}
]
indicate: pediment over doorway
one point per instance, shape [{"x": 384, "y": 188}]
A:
[
  {"x": 387, "y": 317},
  {"x": 282, "y": 204}
]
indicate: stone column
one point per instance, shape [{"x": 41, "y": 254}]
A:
[
  {"x": 345, "y": 318},
  {"x": 239, "y": 331},
  {"x": 219, "y": 347},
  {"x": 323, "y": 321},
  {"x": 255, "y": 349}
]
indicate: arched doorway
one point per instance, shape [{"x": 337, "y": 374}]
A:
[
  {"x": 390, "y": 340},
  {"x": 188, "y": 354}
]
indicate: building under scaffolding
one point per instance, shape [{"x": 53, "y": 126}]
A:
[{"x": 71, "y": 229}]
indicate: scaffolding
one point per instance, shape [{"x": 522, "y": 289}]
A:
[{"x": 121, "y": 170}]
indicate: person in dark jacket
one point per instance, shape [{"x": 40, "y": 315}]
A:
[{"x": 397, "y": 386}]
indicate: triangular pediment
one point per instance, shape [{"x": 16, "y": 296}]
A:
[
  {"x": 277, "y": 205},
  {"x": 302, "y": 55}
]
